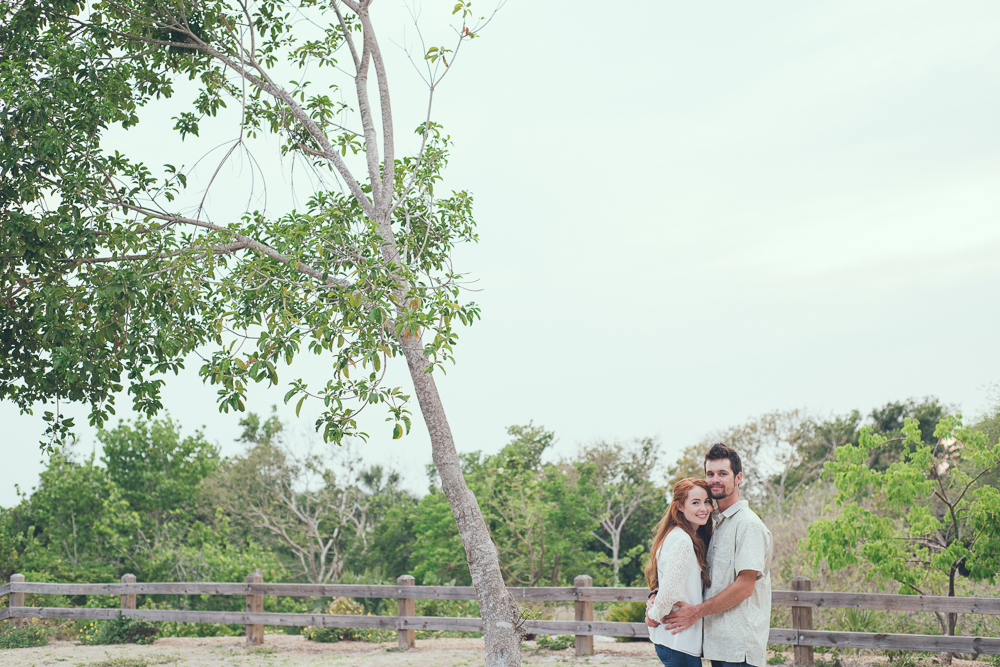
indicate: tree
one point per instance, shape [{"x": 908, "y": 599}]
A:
[
  {"x": 622, "y": 479},
  {"x": 890, "y": 420},
  {"x": 691, "y": 463},
  {"x": 110, "y": 278},
  {"x": 319, "y": 508},
  {"x": 925, "y": 519},
  {"x": 156, "y": 471},
  {"x": 782, "y": 453},
  {"x": 537, "y": 512},
  {"x": 75, "y": 526}
]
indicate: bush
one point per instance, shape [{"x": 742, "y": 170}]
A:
[
  {"x": 628, "y": 612},
  {"x": 352, "y": 608},
  {"x": 556, "y": 642},
  {"x": 450, "y": 608},
  {"x": 32, "y": 634},
  {"x": 121, "y": 630}
]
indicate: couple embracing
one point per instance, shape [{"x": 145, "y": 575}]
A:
[{"x": 710, "y": 575}]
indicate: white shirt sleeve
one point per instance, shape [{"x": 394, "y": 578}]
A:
[{"x": 673, "y": 563}]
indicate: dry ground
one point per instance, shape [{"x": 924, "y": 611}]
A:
[{"x": 295, "y": 651}]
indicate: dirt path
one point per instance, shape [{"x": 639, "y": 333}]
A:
[{"x": 295, "y": 651}]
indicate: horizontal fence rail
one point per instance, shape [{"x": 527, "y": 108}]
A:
[
  {"x": 817, "y": 599},
  {"x": 875, "y": 640},
  {"x": 550, "y": 593},
  {"x": 886, "y": 602},
  {"x": 336, "y": 620},
  {"x": 801, "y": 635}
]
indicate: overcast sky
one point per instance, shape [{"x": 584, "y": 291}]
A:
[{"x": 690, "y": 214}]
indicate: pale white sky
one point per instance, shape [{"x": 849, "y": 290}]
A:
[{"x": 690, "y": 214}]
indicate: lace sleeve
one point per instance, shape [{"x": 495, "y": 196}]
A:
[{"x": 674, "y": 563}]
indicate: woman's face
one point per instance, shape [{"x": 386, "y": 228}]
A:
[{"x": 697, "y": 508}]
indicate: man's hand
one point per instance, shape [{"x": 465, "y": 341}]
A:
[
  {"x": 682, "y": 617},
  {"x": 649, "y": 621}
]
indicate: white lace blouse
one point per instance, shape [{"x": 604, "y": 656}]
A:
[{"x": 679, "y": 580}]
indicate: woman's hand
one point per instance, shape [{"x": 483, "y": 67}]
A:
[{"x": 649, "y": 604}]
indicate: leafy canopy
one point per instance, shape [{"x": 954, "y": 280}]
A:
[
  {"x": 923, "y": 520},
  {"x": 112, "y": 272}
]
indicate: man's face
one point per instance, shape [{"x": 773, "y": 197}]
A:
[{"x": 721, "y": 481}]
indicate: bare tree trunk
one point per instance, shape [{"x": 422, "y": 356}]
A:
[
  {"x": 615, "y": 545},
  {"x": 952, "y": 619},
  {"x": 501, "y": 618}
]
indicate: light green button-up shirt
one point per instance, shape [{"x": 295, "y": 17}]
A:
[{"x": 740, "y": 542}]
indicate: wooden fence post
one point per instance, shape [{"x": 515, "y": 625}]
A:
[
  {"x": 17, "y": 599},
  {"x": 584, "y": 612},
  {"x": 255, "y": 604},
  {"x": 406, "y": 607},
  {"x": 128, "y": 599},
  {"x": 802, "y": 619}
]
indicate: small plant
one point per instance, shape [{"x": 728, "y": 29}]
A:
[
  {"x": 32, "y": 634},
  {"x": 556, "y": 642},
  {"x": 776, "y": 659},
  {"x": 121, "y": 630},
  {"x": 861, "y": 620},
  {"x": 833, "y": 662},
  {"x": 325, "y": 635}
]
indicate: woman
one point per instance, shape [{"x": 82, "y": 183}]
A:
[{"x": 678, "y": 570}]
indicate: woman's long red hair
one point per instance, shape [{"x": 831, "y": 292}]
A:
[{"x": 675, "y": 518}]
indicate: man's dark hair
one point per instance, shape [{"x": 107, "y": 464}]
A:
[{"x": 719, "y": 451}]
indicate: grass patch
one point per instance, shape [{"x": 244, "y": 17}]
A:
[
  {"x": 121, "y": 630},
  {"x": 32, "y": 634},
  {"x": 555, "y": 642},
  {"x": 134, "y": 661}
]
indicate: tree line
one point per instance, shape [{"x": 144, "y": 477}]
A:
[{"x": 169, "y": 508}]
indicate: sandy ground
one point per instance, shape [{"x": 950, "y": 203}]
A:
[{"x": 295, "y": 651}]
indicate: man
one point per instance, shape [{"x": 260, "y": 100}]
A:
[{"x": 737, "y": 606}]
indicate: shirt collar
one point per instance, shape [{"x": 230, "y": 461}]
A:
[{"x": 733, "y": 509}]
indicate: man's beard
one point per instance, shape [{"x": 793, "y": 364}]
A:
[{"x": 718, "y": 493}]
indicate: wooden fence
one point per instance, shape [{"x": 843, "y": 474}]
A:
[{"x": 583, "y": 594}]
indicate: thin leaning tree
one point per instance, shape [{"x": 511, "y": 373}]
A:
[{"x": 111, "y": 274}]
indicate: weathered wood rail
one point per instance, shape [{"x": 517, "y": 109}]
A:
[{"x": 801, "y": 636}]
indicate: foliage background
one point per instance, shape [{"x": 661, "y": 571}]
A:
[{"x": 151, "y": 504}]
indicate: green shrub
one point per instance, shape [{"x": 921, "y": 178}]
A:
[
  {"x": 556, "y": 642},
  {"x": 350, "y": 607},
  {"x": 449, "y": 608},
  {"x": 325, "y": 635},
  {"x": 121, "y": 630},
  {"x": 628, "y": 612},
  {"x": 452, "y": 608},
  {"x": 32, "y": 634}
]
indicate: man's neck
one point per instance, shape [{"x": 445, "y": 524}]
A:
[{"x": 728, "y": 501}]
